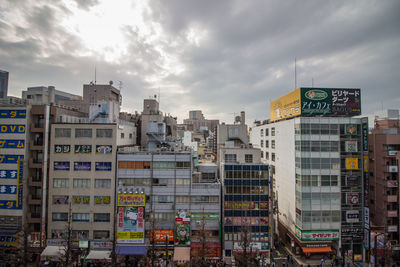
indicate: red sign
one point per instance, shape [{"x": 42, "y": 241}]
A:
[
  {"x": 159, "y": 235},
  {"x": 121, "y": 217}
]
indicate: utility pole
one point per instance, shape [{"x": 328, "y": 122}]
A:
[{"x": 166, "y": 250}]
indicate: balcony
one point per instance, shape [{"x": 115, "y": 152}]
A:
[
  {"x": 34, "y": 199},
  {"x": 36, "y": 146},
  {"x": 392, "y": 198},
  {"x": 33, "y": 181},
  {"x": 34, "y": 163},
  {"x": 33, "y": 217},
  {"x": 37, "y": 127}
]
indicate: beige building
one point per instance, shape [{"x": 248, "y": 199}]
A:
[{"x": 82, "y": 181}]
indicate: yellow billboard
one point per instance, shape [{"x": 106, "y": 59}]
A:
[
  {"x": 366, "y": 163},
  {"x": 351, "y": 163},
  {"x": 286, "y": 106}
]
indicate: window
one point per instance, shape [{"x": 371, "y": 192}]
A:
[
  {"x": 248, "y": 158},
  {"x": 183, "y": 164},
  {"x": 261, "y": 132},
  {"x": 163, "y": 165},
  {"x": 266, "y": 132},
  {"x": 80, "y": 217},
  {"x": 273, "y": 144},
  {"x": 273, "y": 156},
  {"x": 85, "y": 200},
  {"x": 163, "y": 199},
  {"x": 102, "y": 183},
  {"x": 58, "y": 200},
  {"x": 60, "y": 183},
  {"x": 122, "y": 135},
  {"x": 262, "y": 154},
  {"x": 261, "y": 143},
  {"x": 101, "y": 234},
  {"x": 106, "y": 133},
  {"x": 182, "y": 199},
  {"x": 230, "y": 157},
  {"x": 63, "y": 132},
  {"x": 101, "y": 217},
  {"x": 83, "y": 133},
  {"x": 130, "y": 136},
  {"x": 182, "y": 182},
  {"x": 273, "y": 131},
  {"x": 266, "y": 155},
  {"x": 80, "y": 234},
  {"x": 59, "y": 216},
  {"x": 233, "y": 132},
  {"x": 102, "y": 200},
  {"x": 162, "y": 216},
  {"x": 266, "y": 143},
  {"x": 81, "y": 183}
]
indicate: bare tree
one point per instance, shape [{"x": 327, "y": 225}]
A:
[
  {"x": 66, "y": 257},
  {"x": 22, "y": 254},
  {"x": 151, "y": 252},
  {"x": 245, "y": 257},
  {"x": 201, "y": 259}
]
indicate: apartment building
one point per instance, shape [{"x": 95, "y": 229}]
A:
[
  {"x": 384, "y": 145},
  {"x": 81, "y": 185},
  {"x": 180, "y": 200},
  {"x": 317, "y": 155}
]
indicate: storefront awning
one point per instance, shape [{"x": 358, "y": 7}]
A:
[
  {"x": 181, "y": 254},
  {"x": 317, "y": 250},
  {"x": 131, "y": 250},
  {"x": 98, "y": 255},
  {"x": 53, "y": 251}
]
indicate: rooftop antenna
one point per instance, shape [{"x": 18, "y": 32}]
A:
[
  {"x": 95, "y": 75},
  {"x": 295, "y": 74}
]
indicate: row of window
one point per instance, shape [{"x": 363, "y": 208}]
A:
[
  {"x": 248, "y": 158},
  {"x": 267, "y": 143},
  {"x": 321, "y": 216},
  {"x": 83, "y": 133},
  {"x": 267, "y": 132},
  {"x": 155, "y": 164},
  {"x": 317, "y": 180},
  {"x": 253, "y": 229},
  {"x": 79, "y": 234},
  {"x": 246, "y": 189},
  {"x": 185, "y": 199},
  {"x": 81, "y": 183},
  {"x": 317, "y": 163},
  {"x": 246, "y": 198},
  {"x": 80, "y": 217},
  {"x": 267, "y": 155},
  {"x": 84, "y": 200},
  {"x": 245, "y": 182},
  {"x": 317, "y": 129},
  {"x": 245, "y": 213},
  {"x": 317, "y": 146},
  {"x": 156, "y": 182},
  {"x": 246, "y": 174}
]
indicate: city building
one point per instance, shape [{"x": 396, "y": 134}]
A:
[
  {"x": 3, "y": 84},
  {"x": 197, "y": 122},
  {"x": 179, "y": 205},
  {"x": 384, "y": 147},
  {"x": 42, "y": 95},
  {"x": 317, "y": 153},
  {"x": 82, "y": 185}
]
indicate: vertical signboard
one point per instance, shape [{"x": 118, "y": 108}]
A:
[
  {"x": 130, "y": 218},
  {"x": 365, "y": 148},
  {"x": 182, "y": 223}
]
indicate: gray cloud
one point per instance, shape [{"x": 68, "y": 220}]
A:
[{"x": 244, "y": 57}]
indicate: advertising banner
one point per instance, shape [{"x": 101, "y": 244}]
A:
[
  {"x": 81, "y": 200},
  {"x": 365, "y": 163},
  {"x": 100, "y": 245},
  {"x": 392, "y": 228},
  {"x": 321, "y": 235},
  {"x": 103, "y": 166},
  {"x": 16, "y": 144},
  {"x": 316, "y": 101},
  {"x": 346, "y": 102},
  {"x": 182, "y": 222},
  {"x": 130, "y": 226},
  {"x": 352, "y": 216},
  {"x": 352, "y": 180},
  {"x": 9, "y": 240},
  {"x": 62, "y": 149},
  {"x": 351, "y": 163},
  {"x": 365, "y": 136},
  {"x": 198, "y": 216},
  {"x": 17, "y": 128},
  {"x": 12, "y": 114},
  {"x": 83, "y": 149},
  {"x": 352, "y": 198},
  {"x": 351, "y": 146},
  {"x": 159, "y": 235},
  {"x": 98, "y": 200},
  {"x": 351, "y": 129},
  {"x": 103, "y": 149},
  {"x": 82, "y": 166},
  {"x": 131, "y": 200},
  {"x": 10, "y": 159},
  {"x": 61, "y": 165},
  {"x": 286, "y": 106},
  {"x": 60, "y": 199},
  {"x": 392, "y": 183},
  {"x": 8, "y": 189}
]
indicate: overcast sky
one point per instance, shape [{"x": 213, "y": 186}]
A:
[{"x": 218, "y": 56}]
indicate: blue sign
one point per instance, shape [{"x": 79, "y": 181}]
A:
[
  {"x": 12, "y": 114},
  {"x": 8, "y": 174},
  {"x": 20, "y": 177},
  {"x": 82, "y": 166},
  {"x": 103, "y": 166},
  {"x": 10, "y": 128},
  {"x": 12, "y": 143},
  {"x": 9, "y": 205},
  {"x": 8, "y": 189},
  {"x": 12, "y": 159},
  {"x": 61, "y": 165}
]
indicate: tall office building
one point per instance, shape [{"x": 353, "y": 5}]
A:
[
  {"x": 317, "y": 155},
  {"x": 3, "y": 84}
]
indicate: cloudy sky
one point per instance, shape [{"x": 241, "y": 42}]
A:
[{"x": 218, "y": 56}]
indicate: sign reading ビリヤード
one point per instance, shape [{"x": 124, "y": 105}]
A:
[
  {"x": 346, "y": 102},
  {"x": 316, "y": 101}
]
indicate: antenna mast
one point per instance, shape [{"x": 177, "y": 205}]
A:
[
  {"x": 295, "y": 74},
  {"x": 95, "y": 75}
]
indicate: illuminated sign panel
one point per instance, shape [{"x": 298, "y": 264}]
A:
[{"x": 286, "y": 106}]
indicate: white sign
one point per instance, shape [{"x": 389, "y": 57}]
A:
[
  {"x": 352, "y": 216},
  {"x": 366, "y": 218}
]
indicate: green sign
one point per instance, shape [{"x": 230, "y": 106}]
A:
[
  {"x": 315, "y": 101},
  {"x": 318, "y": 235}
]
